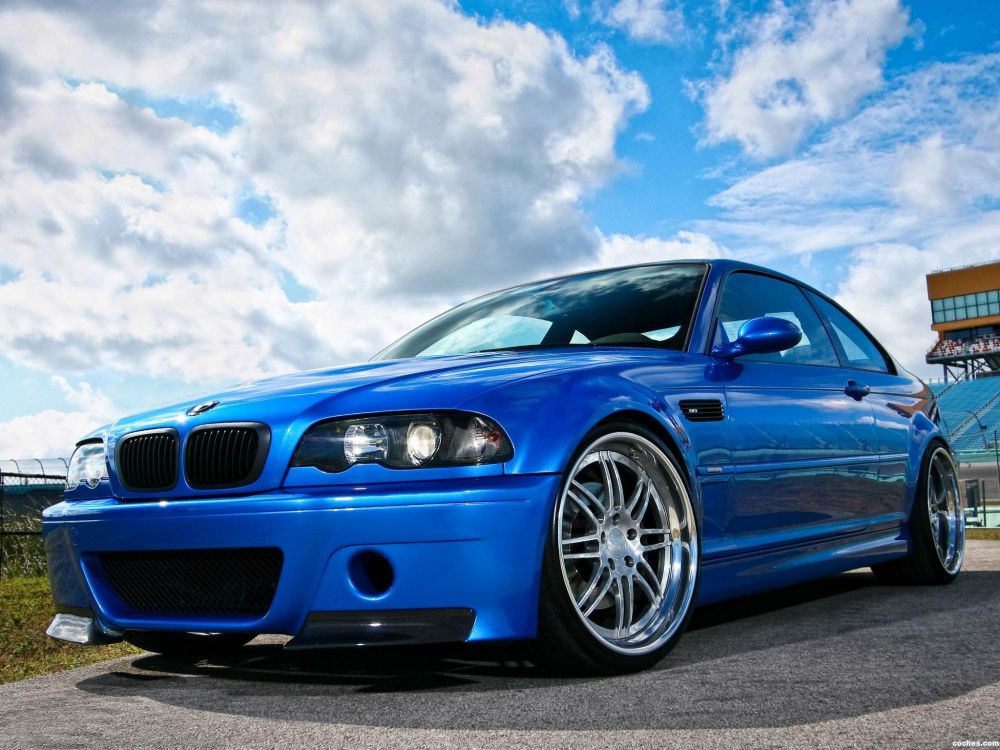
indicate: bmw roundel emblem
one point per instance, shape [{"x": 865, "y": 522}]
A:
[{"x": 201, "y": 408}]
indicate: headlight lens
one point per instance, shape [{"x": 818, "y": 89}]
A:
[
  {"x": 365, "y": 443},
  {"x": 404, "y": 441},
  {"x": 422, "y": 442},
  {"x": 87, "y": 466}
]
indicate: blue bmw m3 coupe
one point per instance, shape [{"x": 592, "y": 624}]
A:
[{"x": 579, "y": 461}]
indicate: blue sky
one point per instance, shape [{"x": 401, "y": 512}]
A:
[
  {"x": 672, "y": 176},
  {"x": 196, "y": 196}
]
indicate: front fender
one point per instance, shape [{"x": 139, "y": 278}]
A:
[{"x": 547, "y": 418}]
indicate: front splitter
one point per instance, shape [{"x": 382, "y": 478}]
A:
[{"x": 383, "y": 628}]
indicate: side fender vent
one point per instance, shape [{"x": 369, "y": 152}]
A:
[{"x": 702, "y": 410}]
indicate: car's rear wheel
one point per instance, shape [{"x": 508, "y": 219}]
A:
[
  {"x": 621, "y": 564},
  {"x": 187, "y": 645},
  {"x": 937, "y": 527}
]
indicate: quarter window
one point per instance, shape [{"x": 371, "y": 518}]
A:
[
  {"x": 855, "y": 347},
  {"x": 750, "y": 295}
]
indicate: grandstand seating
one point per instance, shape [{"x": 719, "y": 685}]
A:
[
  {"x": 961, "y": 347},
  {"x": 966, "y": 405}
]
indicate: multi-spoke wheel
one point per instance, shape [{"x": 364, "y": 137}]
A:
[
  {"x": 937, "y": 526},
  {"x": 622, "y": 567},
  {"x": 947, "y": 516}
]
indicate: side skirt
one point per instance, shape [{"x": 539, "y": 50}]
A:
[{"x": 738, "y": 575}]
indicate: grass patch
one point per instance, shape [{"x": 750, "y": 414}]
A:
[
  {"x": 22, "y": 556},
  {"x": 25, "y": 651},
  {"x": 974, "y": 532}
]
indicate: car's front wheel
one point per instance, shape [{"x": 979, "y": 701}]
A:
[
  {"x": 621, "y": 564},
  {"x": 187, "y": 645},
  {"x": 937, "y": 527}
]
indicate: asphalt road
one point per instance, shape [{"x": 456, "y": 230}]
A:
[{"x": 838, "y": 663}]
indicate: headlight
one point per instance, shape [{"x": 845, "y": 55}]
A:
[
  {"x": 87, "y": 466},
  {"x": 404, "y": 441}
]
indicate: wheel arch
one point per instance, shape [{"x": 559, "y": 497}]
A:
[
  {"x": 548, "y": 417},
  {"x": 924, "y": 435},
  {"x": 657, "y": 427}
]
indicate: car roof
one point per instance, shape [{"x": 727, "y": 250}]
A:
[{"x": 719, "y": 265}]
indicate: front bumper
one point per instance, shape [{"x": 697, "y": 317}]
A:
[{"x": 472, "y": 545}]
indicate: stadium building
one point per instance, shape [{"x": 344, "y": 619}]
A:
[
  {"x": 965, "y": 305},
  {"x": 965, "y": 308}
]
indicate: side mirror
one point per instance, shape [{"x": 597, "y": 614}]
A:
[{"x": 761, "y": 336}]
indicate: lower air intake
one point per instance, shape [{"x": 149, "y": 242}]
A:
[{"x": 195, "y": 582}]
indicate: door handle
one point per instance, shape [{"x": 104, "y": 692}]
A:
[{"x": 857, "y": 390}]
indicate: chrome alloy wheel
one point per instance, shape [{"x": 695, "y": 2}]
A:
[
  {"x": 628, "y": 543},
  {"x": 947, "y": 516}
]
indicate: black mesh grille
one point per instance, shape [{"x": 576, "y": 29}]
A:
[
  {"x": 224, "y": 455},
  {"x": 702, "y": 410},
  {"x": 147, "y": 461},
  {"x": 195, "y": 582}
]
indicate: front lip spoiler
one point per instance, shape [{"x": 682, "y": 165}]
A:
[
  {"x": 87, "y": 631},
  {"x": 394, "y": 627}
]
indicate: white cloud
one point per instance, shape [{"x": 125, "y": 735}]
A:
[
  {"x": 51, "y": 433},
  {"x": 86, "y": 398},
  {"x": 941, "y": 177},
  {"x": 647, "y": 21},
  {"x": 413, "y": 156},
  {"x": 799, "y": 70},
  {"x": 885, "y": 288},
  {"x": 930, "y": 142},
  {"x": 624, "y": 249},
  {"x": 906, "y": 185}
]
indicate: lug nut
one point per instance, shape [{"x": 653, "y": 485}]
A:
[
  {"x": 629, "y": 561},
  {"x": 611, "y": 564},
  {"x": 631, "y": 534},
  {"x": 616, "y": 519},
  {"x": 604, "y": 538}
]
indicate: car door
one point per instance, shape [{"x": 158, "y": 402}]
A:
[
  {"x": 893, "y": 398},
  {"x": 803, "y": 442}
]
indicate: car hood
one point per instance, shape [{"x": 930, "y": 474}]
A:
[
  {"x": 290, "y": 404},
  {"x": 390, "y": 385}
]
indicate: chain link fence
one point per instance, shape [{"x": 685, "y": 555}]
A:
[{"x": 26, "y": 488}]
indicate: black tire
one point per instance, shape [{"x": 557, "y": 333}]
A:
[
  {"x": 564, "y": 643},
  {"x": 187, "y": 645},
  {"x": 923, "y": 565}
]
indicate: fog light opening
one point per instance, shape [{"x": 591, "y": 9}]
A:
[{"x": 370, "y": 573}]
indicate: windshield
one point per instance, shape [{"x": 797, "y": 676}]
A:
[{"x": 648, "y": 306}]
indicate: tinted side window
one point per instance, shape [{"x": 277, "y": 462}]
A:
[
  {"x": 748, "y": 295},
  {"x": 856, "y": 347}
]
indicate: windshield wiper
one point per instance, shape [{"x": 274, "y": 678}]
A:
[{"x": 521, "y": 347}]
